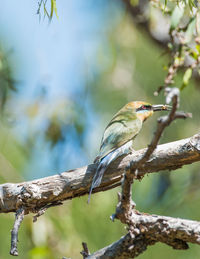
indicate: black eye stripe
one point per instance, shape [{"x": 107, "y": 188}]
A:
[{"x": 144, "y": 107}]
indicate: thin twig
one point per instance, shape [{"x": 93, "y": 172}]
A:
[
  {"x": 163, "y": 122},
  {"x": 182, "y": 115},
  {"x": 128, "y": 179},
  {"x": 85, "y": 253},
  {"x": 19, "y": 216},
  {"x": 39, "y": 212},
  {"x": 125, "y": 210}
]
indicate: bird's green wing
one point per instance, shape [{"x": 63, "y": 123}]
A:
[{"x": 122, "y": 128}]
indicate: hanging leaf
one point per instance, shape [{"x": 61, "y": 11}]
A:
[
  {"x": 190, "y": 30},
  {"x": 46, "y": 12},
  {"x": 192, "y": 4},
  {"x": 165, "y": 4},
  {"x": 49, "y": 14},
  {"x": 176, "y": 16},
  {"x": 186, "y": 78},
  {"x": 193, "y": 54},
  {"x": 198, "y": 48},
  {"x": 53, "y": 9}
]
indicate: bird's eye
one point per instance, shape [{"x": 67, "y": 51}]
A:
[
  {"x": 144, "y": 107},
  {"x": 147, "y": 107}
]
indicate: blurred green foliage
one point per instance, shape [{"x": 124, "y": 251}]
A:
[
  {"x": 130, "y": 67},
  {"x": 7, "y": 83}
]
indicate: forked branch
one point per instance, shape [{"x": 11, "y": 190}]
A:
[{"x": 146, "y": 229}]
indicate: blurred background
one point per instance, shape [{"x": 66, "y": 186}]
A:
[{"x": 60, "y": 84}]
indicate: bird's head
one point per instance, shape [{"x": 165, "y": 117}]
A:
[{"x": 144, "y": 110}]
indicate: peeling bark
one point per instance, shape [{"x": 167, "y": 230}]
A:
[{"x": 145, "y": 230}]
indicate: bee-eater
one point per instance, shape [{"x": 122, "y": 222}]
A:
[{"x": 119, "y": 134}]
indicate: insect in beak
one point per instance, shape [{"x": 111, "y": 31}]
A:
[{"x": 161, "y": 107}]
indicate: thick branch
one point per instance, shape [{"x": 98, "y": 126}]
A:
[
  {"x": 36, "y": 194},
  {"x": 147, "y": 230}
]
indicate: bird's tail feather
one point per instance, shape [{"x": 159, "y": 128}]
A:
[
  {"x": 104, "y": 163},
  {"x": 102, "y": 166}
]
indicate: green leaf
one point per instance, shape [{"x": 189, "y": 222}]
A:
[
  {"x": 193, "y": 54},
  {"x": 45, "y": 11},
  {"x": 190, "y": 30},
  {"x": 51, "y": 13},
  {"x": 176, "y": 16},
  {"x": 186, "y": 78},
  {"x": 165, "y": 3},
  {"x": 53, "y": 9},
  {"x": 198, "y": 48},
  {"x": 192, "y": 4},
  {"x": 134, "y": 2}
]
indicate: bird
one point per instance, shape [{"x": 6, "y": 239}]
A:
[{"x": 119, "y": 134}]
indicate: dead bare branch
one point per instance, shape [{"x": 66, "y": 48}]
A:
[
  {"x": 145, "y": 230},
  {"x": 125, "y": 210},
  {"x": 19, "y": 216},
  {"x": 85, "y": 253},
  {"x": 126, "y": 204},
  {"x": 36, "y": 194}
]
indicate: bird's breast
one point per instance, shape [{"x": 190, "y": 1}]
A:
[{"x": 119, "y": 133}]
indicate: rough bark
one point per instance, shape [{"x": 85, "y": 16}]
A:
[
  {"x": 145, "y": 230},
  {"x": 49, "y": 191}
]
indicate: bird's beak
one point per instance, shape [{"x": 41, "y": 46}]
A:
[{"x": 161, "y": 107}]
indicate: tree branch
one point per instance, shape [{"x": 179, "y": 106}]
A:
[
  {"x": 38, "y": 195},
  {"x": 145, "y": 230},
  {"x": 19, "y": 216},
  {"x": 85, "y": 253},
  {"x": 126, "y": 204},
  {"x": 152, "y": 229},
  {"x": 35, "y": 195}
]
